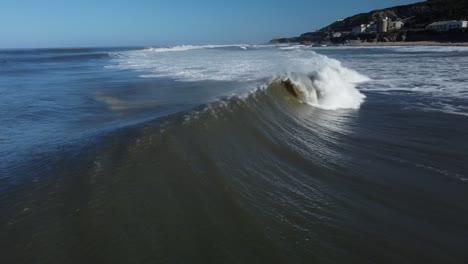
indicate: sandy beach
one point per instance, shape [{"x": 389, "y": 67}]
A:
[{"x": 419, "y": 43}]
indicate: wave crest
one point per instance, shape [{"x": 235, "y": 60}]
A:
[
  {"x": 316, "y": 79},
  {"x": 329, "y": 88}
]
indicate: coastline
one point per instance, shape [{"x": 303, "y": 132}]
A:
[{"x": 411, "y": 44}]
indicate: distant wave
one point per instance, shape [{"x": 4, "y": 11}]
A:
[
  {"x": 291, "y": 47},
  {"x": 194, "y": 47},
  {"x": 56, "y": 58},
  {"x": 47, "y": 51},
  {"x": 78, "y": 57}
]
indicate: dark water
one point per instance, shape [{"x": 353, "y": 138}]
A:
[{"x": 202, "y": 155}]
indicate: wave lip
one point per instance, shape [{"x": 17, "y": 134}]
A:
[
  {"x": 327, "y": 92},
  {"x": 331, "y": 87}
]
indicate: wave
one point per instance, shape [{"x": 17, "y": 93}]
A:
[
  {"x": 263, "y": 176},
  {"x": 253, "y": 174},
  {"x": 328, "y": 89},
  {"x": 289, "y": 47},
  {"x": 67, "y": 58},
  {"x": 46, "y": 51},
  {"x": 195, "y": 47},
  {"x": 321, "y": 81},
  {"x": 188, "y": 170},
  {"x": 221, "y": 157},
  {"x": 59, "y": 58}
]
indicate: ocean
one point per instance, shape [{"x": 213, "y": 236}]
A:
[{"x": 234, "y": 154}]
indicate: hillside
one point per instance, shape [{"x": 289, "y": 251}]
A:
[{"x": 415, "y": 15}]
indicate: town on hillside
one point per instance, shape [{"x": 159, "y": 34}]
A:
[
  {"x": 385, "y": 30},
  {"x": 431, "y": 20}
]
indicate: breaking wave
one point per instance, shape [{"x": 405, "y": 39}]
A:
[
  {"x": 328, "y": 89},
  {"x": 316, "y": 79}
]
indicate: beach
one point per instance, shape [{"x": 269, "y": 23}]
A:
[{"x": 413, "y": 44}]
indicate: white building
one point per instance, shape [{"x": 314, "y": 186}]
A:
[
  {"x": 447, "y": 25},
  {"x": 387, "y": 25}
]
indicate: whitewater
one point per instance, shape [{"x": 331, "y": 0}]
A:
[{"x": 323, "y": 82}]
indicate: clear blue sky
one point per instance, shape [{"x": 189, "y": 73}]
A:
[{"x": 76, "y": 23}]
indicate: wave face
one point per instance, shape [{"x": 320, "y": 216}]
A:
[
  {"x": 231, "y": 154},
  {"x": 226, "y": 175}
]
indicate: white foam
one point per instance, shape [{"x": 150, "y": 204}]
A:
[
  {"x": 171, "y": 49},
  {"x": 194, "y": 47},
  {"x": 334, "y": 84},
  {"x": 331, "y": 87},
  {"x": 434, "y": 76},
  {"x": 293, "y": 47}
]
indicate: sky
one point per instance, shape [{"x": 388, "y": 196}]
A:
[{"x": 95, "y": 23}]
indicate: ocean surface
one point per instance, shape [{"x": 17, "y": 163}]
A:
[{"x": 234, "y": 154}]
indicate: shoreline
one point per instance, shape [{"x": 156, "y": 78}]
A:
[{"x": 412, "y": 44}]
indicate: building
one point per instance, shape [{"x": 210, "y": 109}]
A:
[
  {"x": 371, "y": 28},
  {"x": 395, "y": 25},
  {"x": 365, "y": 28},
  {"x": 387, "y": 25},
  {"x": 359, "y": 29},
  {"x": 382, "y": 25},
  {"x": 447, "y": 25}
]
